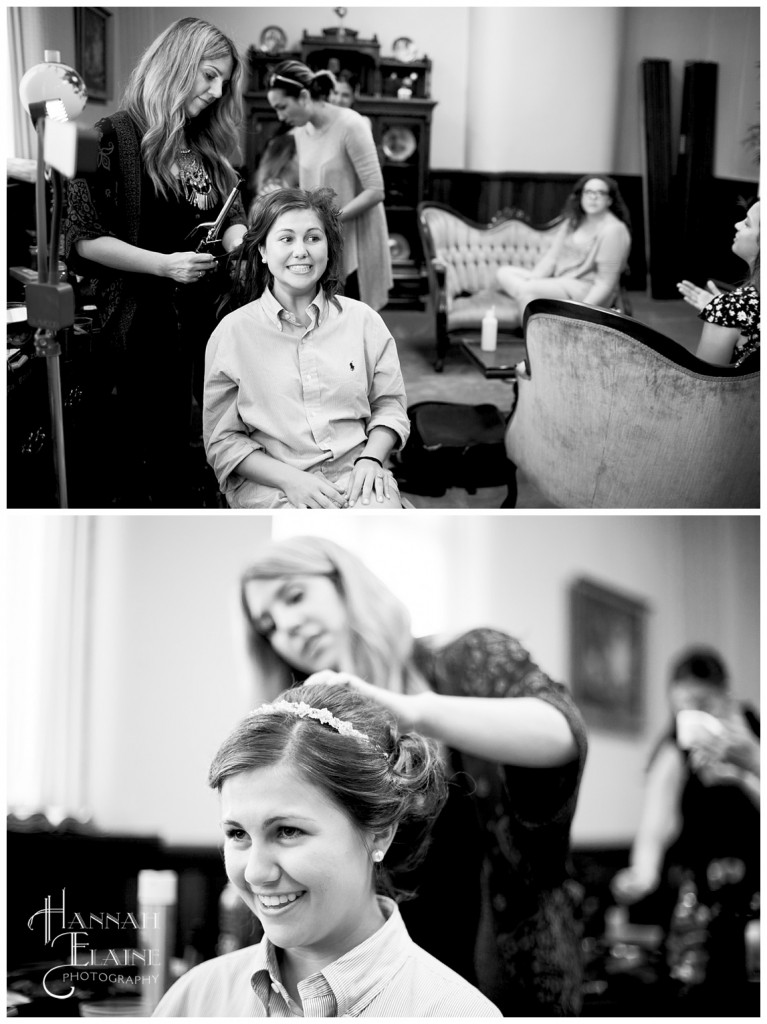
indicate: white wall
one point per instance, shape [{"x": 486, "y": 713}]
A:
[
  {"x": 535, "y": 89},
  {"x": 729, "y": 36},
  {"x": 167, "y": 672},
  {"x": 531, "y": 106}
]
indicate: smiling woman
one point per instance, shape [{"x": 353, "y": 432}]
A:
[
  {"x": 304, "y": 398},
  {"x": 314, "y": 788}
]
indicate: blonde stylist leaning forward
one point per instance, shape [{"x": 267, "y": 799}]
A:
[
  {"x": 493, "y": 890},
  {"x": 164, "y": 168},
  {"x": 336, "y": 149}
]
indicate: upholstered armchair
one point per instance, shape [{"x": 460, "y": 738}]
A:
[
  {"x": 462, "y": 258},
  {"x": 612, "y": 414}
]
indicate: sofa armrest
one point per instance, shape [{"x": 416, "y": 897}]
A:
[{"x": 439, "y": 297}]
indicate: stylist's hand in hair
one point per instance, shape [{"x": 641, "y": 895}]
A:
[{"x": 404, "y": 707}]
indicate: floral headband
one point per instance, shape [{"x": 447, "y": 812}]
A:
[{"x": 323, "y": 715}]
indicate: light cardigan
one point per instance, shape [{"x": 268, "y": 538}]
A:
[
  {"x": 387, "y": 975},
  {"x": 604, "y": 256},
  {"x": 343, "y": 156}
]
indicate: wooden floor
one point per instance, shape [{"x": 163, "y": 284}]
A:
[{"x": 462, "y": 381}]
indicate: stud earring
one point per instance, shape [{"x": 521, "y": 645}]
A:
[{"x": 377, "y": 856}]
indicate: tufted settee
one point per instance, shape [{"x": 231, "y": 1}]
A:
[
  {"x": 462, "y": 258},
  {"x": 612, "y": 414}
]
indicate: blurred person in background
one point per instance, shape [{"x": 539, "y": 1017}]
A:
[{"x": 699, "y": 828}]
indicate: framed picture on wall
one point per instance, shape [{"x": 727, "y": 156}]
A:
[
  {"x": 92, "y": 56},
  {"x": 607, "y": 651}
]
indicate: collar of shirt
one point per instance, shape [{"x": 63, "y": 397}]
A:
[
  {"x": 317, "y": 310},
  {"x": 346, "y": 986}
]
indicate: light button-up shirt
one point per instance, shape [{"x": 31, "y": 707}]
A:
[
  {"x": 306, "y": 395},
  {"x": 387, "y": 975}
]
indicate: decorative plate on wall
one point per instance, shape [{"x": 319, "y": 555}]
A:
[
  {"x": 272, "y": 40},
  {"x": 399, "y": 247},
  {"x": 398, "y": 143},
  {"x": 404, "y": 49}
]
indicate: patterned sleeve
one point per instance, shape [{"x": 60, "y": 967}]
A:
[
  {"x": 738, "y": 308},
  {"x": 489, "y": 663},
  {"x": 92, "y": 209},
  {"x": 236, "y": 214}
]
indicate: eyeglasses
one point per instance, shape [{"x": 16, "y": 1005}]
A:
[{"x": 594, "y": 193}]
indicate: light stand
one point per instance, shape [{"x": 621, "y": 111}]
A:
[{"x": 51, "y": 90}]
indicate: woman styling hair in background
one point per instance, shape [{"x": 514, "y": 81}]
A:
[
  {"x": 164, "y": 167},
  {"x": 493, "y": 890},
  {"x": 313, "y": 789},
  {"x": 336, "y": 149}
]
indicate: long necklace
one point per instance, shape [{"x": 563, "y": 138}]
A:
[{"x": 196, "y": 182}]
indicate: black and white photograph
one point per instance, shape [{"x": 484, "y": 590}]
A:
[
  {"x": 521, "y": 267},
  {"x": 381, "y": 515},
  {"x": 260, "y": 771}
]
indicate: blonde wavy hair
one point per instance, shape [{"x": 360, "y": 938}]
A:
[
  {"x": 381, "y": 637},
  {"x": 157, "y": 90}
]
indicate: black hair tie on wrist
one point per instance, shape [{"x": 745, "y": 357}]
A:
[{"x": 372, "y": 458}]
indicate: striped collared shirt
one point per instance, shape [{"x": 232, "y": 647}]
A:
[
  {"x": 307, "y": 396},
  {"x": 385, "y": 976}
]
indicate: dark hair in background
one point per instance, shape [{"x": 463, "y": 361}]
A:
[
  {"x": 701, "y": 664},
  {"x": 397, "y": 780},
  {"x": 291, "y": 76},
  {"x": 574, "y": 211},
  {"x": 251, "y": 275}
]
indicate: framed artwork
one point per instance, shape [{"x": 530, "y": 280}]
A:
[
  {"x": 92, "y": 56},
  {"x": 607, "y": 650}
]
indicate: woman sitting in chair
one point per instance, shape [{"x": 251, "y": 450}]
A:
[
  {"x": 731, "y": 319},
  {"x": 588, "y": 254}
]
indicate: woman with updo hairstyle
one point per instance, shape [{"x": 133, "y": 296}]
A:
[
  {"x": 131, "y": 231},
  {"x": 313, "y": 788},
  {"x": 304, "y": 398},
  {"x": 336, "y": 148},
  {"x": 493, "y": 898},
  {"x": 588, "y": 254}
]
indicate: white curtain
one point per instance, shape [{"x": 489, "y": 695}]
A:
[
  {"x": 48, "y": 621},
  {"x": 25, "y": 49}
]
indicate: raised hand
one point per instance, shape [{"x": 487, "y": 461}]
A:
[{"x": 698, "y": 297}]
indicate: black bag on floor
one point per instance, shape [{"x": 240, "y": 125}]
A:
[{"x": 454, "y": 445}]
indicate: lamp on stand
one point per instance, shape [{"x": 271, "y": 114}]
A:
[{"x": 53, "y": 94}]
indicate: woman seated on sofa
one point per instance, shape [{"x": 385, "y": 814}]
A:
[
  {"x": 731, "y": 319},
  {"x": 588, "y": 254}
]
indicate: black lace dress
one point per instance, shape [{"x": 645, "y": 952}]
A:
[
  {"x": 494, "y": 897},
  {"x": 154, "y": 331}
]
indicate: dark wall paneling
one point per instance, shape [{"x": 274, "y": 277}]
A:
[
  {"x": 481, "y": 196},
  {"x": 729, "y": 201},
  {"x": 695, "y": 163},
  {"x": 656, "y": 110}
]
